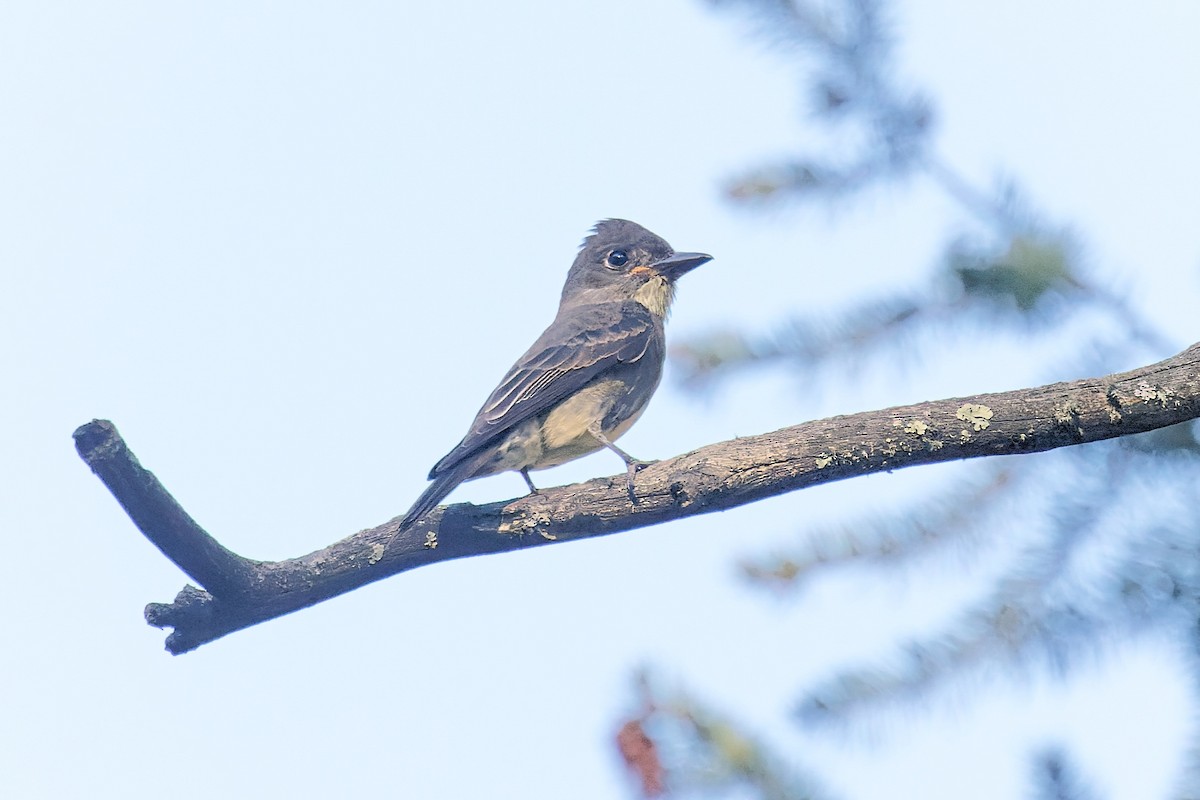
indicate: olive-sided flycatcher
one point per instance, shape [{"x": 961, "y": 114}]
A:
[{"x": 588, "y": 377}]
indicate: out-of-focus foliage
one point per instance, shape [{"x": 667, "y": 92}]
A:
[
  {"x": 1023, "y": 275},
  {"x": 1106, "y": 550},
  {"x": 848, "y": 49},
  {"x": 1026, "y": 283},
  {"x": 709, "y": 754},
  {"x": 1056, "y": 778},
  {"x": 959, "y": 520}
]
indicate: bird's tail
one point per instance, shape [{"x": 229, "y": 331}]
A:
[{"x": 441, "y": 486}]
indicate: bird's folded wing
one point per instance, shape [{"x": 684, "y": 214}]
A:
[{"x": 567, "y": 356}]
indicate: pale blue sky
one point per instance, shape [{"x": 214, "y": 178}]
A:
[{"x": 236, "y": 230}]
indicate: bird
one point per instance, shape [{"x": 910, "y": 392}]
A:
[{"x": 590, "y": 374}]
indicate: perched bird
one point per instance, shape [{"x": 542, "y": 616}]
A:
[{"x": 588, "y": 377}]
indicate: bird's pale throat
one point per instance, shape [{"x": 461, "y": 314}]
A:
[{"x": 656, "y": 295}]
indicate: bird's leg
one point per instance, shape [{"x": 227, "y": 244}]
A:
[
  {"x": 525, "y": 474},
  {"x": 632, "y": 465}
]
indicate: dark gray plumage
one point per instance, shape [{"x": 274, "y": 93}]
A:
[{"x": 588, "y": 377}]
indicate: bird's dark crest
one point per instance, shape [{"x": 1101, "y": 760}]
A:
[
  {"x": 624, "y": 231},
  {"x": 609, "y": 228}
]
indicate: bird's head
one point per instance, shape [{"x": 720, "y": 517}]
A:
[{"x": 621, "y": 260}]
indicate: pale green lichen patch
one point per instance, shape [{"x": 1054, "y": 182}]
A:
[
  {"x": 916, "y": 428},
  {"x": 976, "y": 415},
  {"x": 377, "y": 551},
  {"x": 431, "y": 541},
  {"x": 1152, "y": 394},
  {"x": 1067, "y": 413},
  {"x": 865, "y": 452},
  {"x": 531, "y": 522}
]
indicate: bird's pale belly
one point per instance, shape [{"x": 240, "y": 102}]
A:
[
  {"x": 562, "y": 434},
  {"x": 565, "y": 434}
]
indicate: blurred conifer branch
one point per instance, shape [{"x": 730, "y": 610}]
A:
[
  {"x": 944, "y": 522},
  {"x": 1057, "y": 777},
  {"x": 1110, "y": 544},
  {"x": 1013, "y": 270},
  {"x": 709, "y": 752}
]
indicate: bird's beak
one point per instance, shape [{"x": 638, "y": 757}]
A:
[{"x": 678, "y": 264}]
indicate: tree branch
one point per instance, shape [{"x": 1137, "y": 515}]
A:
[{"x": 241, "y": 592}]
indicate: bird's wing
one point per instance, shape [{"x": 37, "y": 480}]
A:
[{"x": 569, "y": 354}]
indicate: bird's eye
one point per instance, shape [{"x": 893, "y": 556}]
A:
[{"x": 617, "y": 259}]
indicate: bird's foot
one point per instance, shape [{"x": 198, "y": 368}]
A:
[
  {"x": 528, "y": 482},
  {"x": 633, "y": 467}
]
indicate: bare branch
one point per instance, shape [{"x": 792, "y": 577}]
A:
[{"x": 242, "y": 592}]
